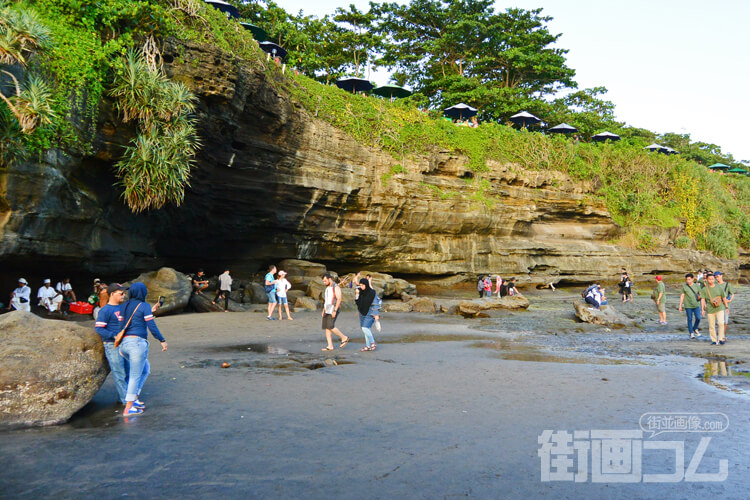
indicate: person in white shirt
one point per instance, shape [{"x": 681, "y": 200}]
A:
[
  {"x": 225, "y": 288},
  {"x": 47, "y": 296},
  {"x": 66, "y": 289},
  {"x": 20, "y": 299},
  {"x": 283, "y": 286}
]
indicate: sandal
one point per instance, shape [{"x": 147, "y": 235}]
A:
[
  {"x": 133, "y": 410},
  {"x": 343, "y": 343},
  {"x": 372, "y": 347},
  {"x": 327, "y": 349},
  {"x": 366, "y": 348}
]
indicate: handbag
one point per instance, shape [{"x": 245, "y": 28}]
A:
[
  {"x": 121, "y": 334},
  {"x": 715, "y": 301}
]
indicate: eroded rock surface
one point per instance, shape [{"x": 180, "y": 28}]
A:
[
  {"x": 48, "y": 369},
  {"x": 284, "y": 184},
  {"x": 174, "y": 286},
  {"x": 606, "y": 315}
]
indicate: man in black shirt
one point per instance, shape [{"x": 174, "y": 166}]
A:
[{"x": 200, "y": 282}]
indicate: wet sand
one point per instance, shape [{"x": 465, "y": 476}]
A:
[{"x": 446, "y": 407}]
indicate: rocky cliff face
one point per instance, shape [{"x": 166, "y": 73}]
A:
[{"x": 273, "y": 182}]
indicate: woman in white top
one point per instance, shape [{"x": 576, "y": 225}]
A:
[{"x": 283, "y": 286}]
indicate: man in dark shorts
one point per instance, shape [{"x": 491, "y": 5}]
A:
[{"x": 331, "y": 307}]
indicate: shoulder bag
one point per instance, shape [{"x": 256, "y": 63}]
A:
[
  {"x": 715, "y": 301},
  {"x": 121, "y": 334}
]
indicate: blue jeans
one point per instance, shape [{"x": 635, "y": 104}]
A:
[
  {"x": 694, "y": 311},
  {"x": 117, "y": 367},
  {"x": 135, "y": 351},
  {"x": 365, "y": 322}
]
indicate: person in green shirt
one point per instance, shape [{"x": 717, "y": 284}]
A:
[
  {"x": 690, "y": 298},
  {"x": 728, "y": 293},
  {"x": 660, "y": 299},
  {"x": 713, "y": 304}
]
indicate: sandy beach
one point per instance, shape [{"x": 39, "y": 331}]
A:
[{"x": 446, "y": 407}]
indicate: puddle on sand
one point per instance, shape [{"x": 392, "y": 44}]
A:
[
  {"x": 522, "y": 352},
  {"x": 268, "y": 358},
  {"x": 96, "y": 416},
  {"x": 724, "y": 374},
  {"x": 432, "y": 337}
]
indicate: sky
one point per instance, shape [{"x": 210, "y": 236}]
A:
[{"x": 679, "y": 66}]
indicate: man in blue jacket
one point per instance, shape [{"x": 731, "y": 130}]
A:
[{"x": 108, "y": 324}]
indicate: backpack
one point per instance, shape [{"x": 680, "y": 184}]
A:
[{"x": 586, "y": 291}]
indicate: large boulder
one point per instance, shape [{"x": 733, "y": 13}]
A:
[
  {"x": 386, "y": 285},
  {"x": 392, "y": 306},
  {"x": 256, "y": 293},
  {"x": 423, "y": 305},
  {"x": 174, "y": 286},
  {"x": 293, "y": 295},
  {"x": 301, "y": 272},
  {"x": 48, "y": 369},
  {"x": 474, "y": 307},
  {"x": 201, "y": 303},
  {"x": 305, "y": 303},
  {"x": 315, "y": 289},
  {"x": 606, "y": 315}
]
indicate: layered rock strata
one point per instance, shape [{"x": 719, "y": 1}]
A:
[{"x": 274, "y": 182}]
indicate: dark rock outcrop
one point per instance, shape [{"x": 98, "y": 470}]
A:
[
  {"x": 48, "y": 369},
  {"x": 174, "y": 286}
]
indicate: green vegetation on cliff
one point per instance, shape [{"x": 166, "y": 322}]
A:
[{"x": 86, "y": 60}]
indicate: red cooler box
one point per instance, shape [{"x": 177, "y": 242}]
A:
[{"x": 81, "y": 307}]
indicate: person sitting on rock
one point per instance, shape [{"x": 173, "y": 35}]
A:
[
  {"x": 594, "y": 296},
  {"x": 20, "y": 297},
  {"x": 200, "y": 282},
  {"x": 46, "y": 296},
  {"x": 66, "y": 289}
]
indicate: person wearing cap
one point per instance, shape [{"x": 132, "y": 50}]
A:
[
  {"x": 728, "y": 293},
  {"x": 20, "y": 297},
  {"x": 713, "y": 304},
  {"x": 134, "y": 346},
  {"x": 108, "y": 324},
  {"x": 283, "y": 286},
  {"x": 660, "y": 298},
  {"x": 46, "y": 296}
]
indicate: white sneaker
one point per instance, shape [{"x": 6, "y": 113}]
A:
[
  {"x": 692, "y": 336},
  {"x": 697, "y": 333},
  {"x": 377, "y": 325}
]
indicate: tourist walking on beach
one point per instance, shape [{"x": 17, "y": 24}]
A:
[
  {"x": 376, "y": 305},
  {"x": 20, "y": 297},
  {"x": 108, "y": 324},
  {"x": 331, "y": 307},
  {"x": 225, "y": 288},
  {"x": 365, "y": 298},
  {"x": 713, "y": 305},
  {"x": 269, "y": 284},
  {"x": 690, "y": 298},
  {"x": 660, "y": 299},
  {"x": 139, "y": 319},
  {"x": 625, "y": 286},
  {"x": 728, "y": 293},
  {"x": 283, "y": 286},
  {"x": 480, "y": 286}
]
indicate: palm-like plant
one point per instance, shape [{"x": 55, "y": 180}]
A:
[
  {"x": 32, "y": 104},
  {"x": 155, "y": 168},
  {"x": 21, "y": 32}
]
